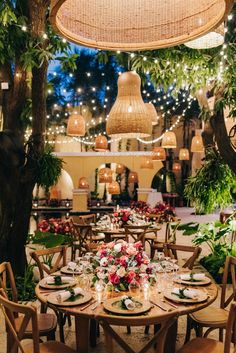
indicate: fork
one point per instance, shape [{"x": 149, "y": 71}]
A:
[{"x": 96, "y": 305}]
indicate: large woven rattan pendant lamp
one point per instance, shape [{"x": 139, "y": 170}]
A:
[
  {"x": 120, "y": 168},
  {"x": 210, "y": 40},
  {"x": 129, "y": 117},
  {"x": 152, "y": 112},
  {"x": 136, "y": 24},
  {"x": 169, "y": 140},
  {"x": 158, "y": 154},
  {"x": 105, "y": 175},
  {"x": 114, "y": 188},
  {"x": 101, "y": 144},
  {"x": 75, "y": 124}
]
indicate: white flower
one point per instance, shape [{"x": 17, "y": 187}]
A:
[
  {"x": 117, "y": 247},
  {"x": 101, "y": 275},
  {"x": 104, "y": 262},
  {"x": 121, "y": 271}
]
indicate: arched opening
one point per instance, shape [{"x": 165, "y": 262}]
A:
[
  {"x": 99, "y": 191},
  {"x": 164, "y": 181}
]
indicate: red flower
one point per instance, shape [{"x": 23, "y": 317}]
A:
[{"x": 114, "y": 278}]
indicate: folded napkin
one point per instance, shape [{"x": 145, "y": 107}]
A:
[
  {"x": 129, "y": 304},
  {"x": 63, "y": 296},
  {"x": 193, "y": 276},
  {"x": 64, "y": 280},
  {"x": 72, "y": 266},
  {"x": 188, "y": 293}
]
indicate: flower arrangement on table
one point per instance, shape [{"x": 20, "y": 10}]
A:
[
  {"x": 52, "y": 232},
  {"x": 162, "y": 211},
  {"x": 118, "y": 264}
]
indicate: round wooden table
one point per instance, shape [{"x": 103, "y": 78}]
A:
[{"x": 165, "y": 315}]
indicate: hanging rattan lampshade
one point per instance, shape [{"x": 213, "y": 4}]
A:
[
  {"x": 169, "y": 140},
  {"x": 136, "y": 24},
  {"x": 83, "y": 183},
  {"x": 152, "y": 112},
  {"x": 128, "y": 117},
  {"x": 114, "y": 188},
  {"x": 133, "y": 177},
  {"x": 158, "y": 154},
  {"x": 197, "y": 144},
  {"x": 75, "y": 125},
  {"x": 176, "y": 167},
  {"x": 120, "y": 168},
  {"x": 105, "y": 175},
  {"x": 210, "y": 40},
  {"x": 146, "y": 163},
  {"x": 101, "y": 143},
  {"x": 183, "y": 154}
]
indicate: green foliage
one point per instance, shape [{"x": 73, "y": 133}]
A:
[
  {"x": 50, "y": 240},
  {"x": 49, "y": 169},
  {"x": 212, "y": 185},
  {"x": 219, "y": 239},
  {"x": 25, "y": 285}
]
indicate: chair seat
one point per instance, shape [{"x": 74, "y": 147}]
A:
[
  {"x": 98, "y": 237},
  {"x": 211, "y": 316},
  {"x": 50, "y": 347},
  {"x": 202, "y": 345},
  {"x": 46, "y": 323},
  {"x": 151, "y": 236},
  {"x": 118, "y": 236}
]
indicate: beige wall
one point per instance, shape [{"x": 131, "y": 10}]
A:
[{"x": 78, "y": 165}]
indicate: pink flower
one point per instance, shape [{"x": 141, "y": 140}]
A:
[
  {"x": 114, "y": 278},
  {"x": 123, "y": 260},
  {"x": 130, "y": 276},
  {"x": 131, "y": 250}
]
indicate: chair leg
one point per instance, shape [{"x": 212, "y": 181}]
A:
[
  {"x": 199, "y": 330},
  {"x": 61, "y": 322},
  {"x": 69, "y": 320},
  {"x": 93, "y": 332},
  {"x": 146, "y": 330},
  {"x": 128, "y": 330},
  {"x": 51, "y": 336},
  {"x": 188, "y": 329},
  {"x": 152, "y": 252},
  {"x": 221, "y": 331}
]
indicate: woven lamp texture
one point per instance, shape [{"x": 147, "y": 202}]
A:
[
  {"x": 146, "y": 163},
  {"x": 105, "y": 175},
  {"x": 120, "y": 168},
  {"x": 114, "y": 188},
  {"x": 136, "y": 24},
  {"x": 183, "y": 154},
  {"x": 210, "y": 40},
  {"x": 101, "y": 143},
  {"x": 169, "y": 140},
  {"x": 128, "y": 117},
  {"x": 75, "y": 125},
  {"x": 152, "y": 112},
  {"x": 197, "y": 144},
  {"x": 133, "y": 177},
  {"x": 158, "y": 154},
  {"x": 176, "y": 167},
  {"x": 83, "y": 183}
]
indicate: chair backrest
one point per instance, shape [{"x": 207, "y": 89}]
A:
[
  {"x": 136, "y": 232},
  {"x": 230, "y": 335},
  {"x": 7, "y": 280},
  {"x": 171, "y": 251},
  {"x": 84, "y": 236},
  {"x": 49, "y": 260},
  {"x": 229, "y": 273},
  {"x": 85, "y": 219},
  {"x": 28, "y": 313},
  {"x": 170, "y": 233}
]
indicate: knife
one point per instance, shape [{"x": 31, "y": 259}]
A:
[
  {"x": 86, "y": 306},
  {"x": 159, "y": 306}
]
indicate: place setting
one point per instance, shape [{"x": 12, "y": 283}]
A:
[
  {"x": 193, "y": 279},
  {"x": 57, "y": 282}
]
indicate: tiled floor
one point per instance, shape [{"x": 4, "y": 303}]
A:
[{"x": 137, "y": 337}]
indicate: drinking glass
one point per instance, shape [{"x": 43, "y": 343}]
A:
[
  {"x": 99, "y": 287},
  {"x": 134, "y": 287}
]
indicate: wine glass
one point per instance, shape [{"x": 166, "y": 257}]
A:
[
  {"x": 134, "y": 287},
  {"x": 99, "y": 287}
]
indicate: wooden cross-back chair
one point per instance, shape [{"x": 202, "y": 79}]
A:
[
  {"x": 84, "y": 219},
  {"x": 136, "y": 232},
  {"x": 212, "y": 317},
  {"x": 83, "y": 240},
  {"x": 202, "y": 345},
  {"x": 171, "y": 250},
  {"x": 58, "y": 259},
  {"x": 170, "y": 237},
  {"x": 47, "y": 323},
  {"x": 29, "y": 316}
]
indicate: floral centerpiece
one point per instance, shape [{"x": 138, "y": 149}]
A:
[
  {"x": 163, "y": 211},
  {"x": 121, "y": 263},
  {"x": 52, "y": 232}
]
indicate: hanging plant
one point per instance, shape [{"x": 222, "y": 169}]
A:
[
  {"x": 49, "y": 169},
  {"x": 212, "y": 186}
]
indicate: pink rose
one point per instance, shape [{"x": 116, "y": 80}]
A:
[
  {"x": 114, "y": 278},
  {"x": 130, "y": 276},
  {"x": 131, "y": 250}
]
